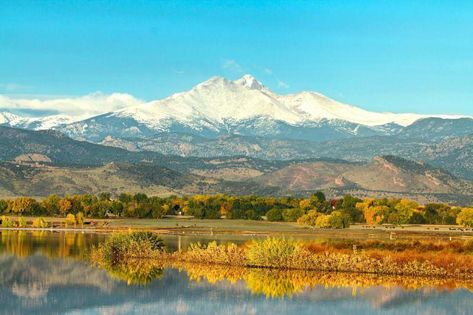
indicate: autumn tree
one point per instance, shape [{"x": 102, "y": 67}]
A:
[
  {"x": 52, "y": 204},
  {"x": 23, "y": 205},
  {"x": 65, "y": 206},
  {"x": 309, "y": 219},
  {"x": 465, "y": 217}
]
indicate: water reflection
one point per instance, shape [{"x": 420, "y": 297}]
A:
[{"x": 51, "y": 273}]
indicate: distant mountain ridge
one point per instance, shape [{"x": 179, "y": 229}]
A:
[
  {"x": 44, "y": 162},
  {"x": 219, "y": 107}
]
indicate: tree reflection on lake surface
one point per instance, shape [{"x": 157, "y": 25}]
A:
[{"x": 47, "y": 273}]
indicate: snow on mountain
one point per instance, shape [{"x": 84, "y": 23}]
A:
[
  {"x": 219, "y": 101},
  {"x": 215, "y": 105},
  {"x": 7, "y": 118},
  {"x": 69, "y": 109},
  {"x": 49, "y": 122},
  {"x": 35, "y": 123}
]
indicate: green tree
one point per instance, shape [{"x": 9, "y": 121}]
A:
[
  {"x": 3, "y": 206},
  {"x": 339, "y": 220},
  {"x": 274, "y": 214},
  {"x": 348, "y": 206},
  {"x": 105, "y": 196},
  {"x": 51, "y": 204},
  {"x": 291, "y": 215}
]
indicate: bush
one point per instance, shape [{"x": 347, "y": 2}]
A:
[
  {"x": 39, "y": 223},
  {"x": 7, "y": 222},
  {"x": 70, "y": 219},
  {"x": 80, "y": 218},
  {"x": 227, "y": 254},
  {"x": 270, "y": 252},
  {"x": 120, "y": 246},
  {"x": 21, "y": 222},
  {"x": 292, "y": 215},
  {"x": 274, "y": 215}
]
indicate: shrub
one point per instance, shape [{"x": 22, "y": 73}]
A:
[
  {"x": 270, "y": 252},
  {"x": 274, "y": 215},
  {"x": 119, "y": 247},
  {"x": 80, "y": 218},
  {"x": 228, "y": 254},
  {"x": 39, "y": 223},
  {"x": 21, "y": 222},
  {"x": 7, "y": 222},
  {"x": 70, "y": 219}
]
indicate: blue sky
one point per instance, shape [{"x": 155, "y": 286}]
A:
[{"x": 400, "y": 56}]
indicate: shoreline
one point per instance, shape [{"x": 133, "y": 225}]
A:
[{"x": 261, "y": 229}]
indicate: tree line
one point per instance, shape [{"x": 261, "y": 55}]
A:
[{"x": 315, "y": 210}]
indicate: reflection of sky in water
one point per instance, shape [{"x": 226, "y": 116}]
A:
[
  {"x": 36, "y": 279},
  {"x": 43, "y": 286}
]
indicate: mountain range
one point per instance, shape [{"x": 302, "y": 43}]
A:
[
  {"x": 238, "y": 137},
  {"x": 219, "y": 107},
  {"x": 39, "y": 163}
]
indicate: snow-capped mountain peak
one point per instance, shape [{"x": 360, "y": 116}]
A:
[
  {"x": 218, "y": 104},
  {"x": 7, "y": 118},
  {"x": 36, "y": 123},
  {"x": 250, "y": 82}
]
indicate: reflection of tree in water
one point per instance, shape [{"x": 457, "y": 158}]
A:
[
  {"x": 133, "y": 271},
  {"x": 284, "y": 283},
  {"x": 266, "y": 282},
  {"x": 64, "y": 244}
]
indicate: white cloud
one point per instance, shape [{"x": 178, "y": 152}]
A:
[
  {"x": 77, "y": 107},
  {"x": 282, "y": 84},
  {"x": 9, "y": 87},
  {"x": 268, "y": 71},
  {"x": 232, "y": 66}
]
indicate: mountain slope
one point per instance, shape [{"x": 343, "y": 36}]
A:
[
  {"x": 46, "y": 162},
  {"x": 387, "y": 173},
  {"x": 242, "y": 107},
  {"x": 115, "y": 178}
]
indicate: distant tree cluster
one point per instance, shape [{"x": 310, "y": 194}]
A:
[{"x": 315, "y": 211}]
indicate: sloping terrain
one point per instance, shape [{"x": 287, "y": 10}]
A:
[
  {"x": 45, "y": 162},
  {"x": 114, "y": 178},
  {"x": 382, "y": 174}
]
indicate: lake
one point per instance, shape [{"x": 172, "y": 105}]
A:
[{"x": 49, "y": 273}]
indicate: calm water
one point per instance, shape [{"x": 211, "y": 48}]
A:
[{"x": 49, "y": 273}]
